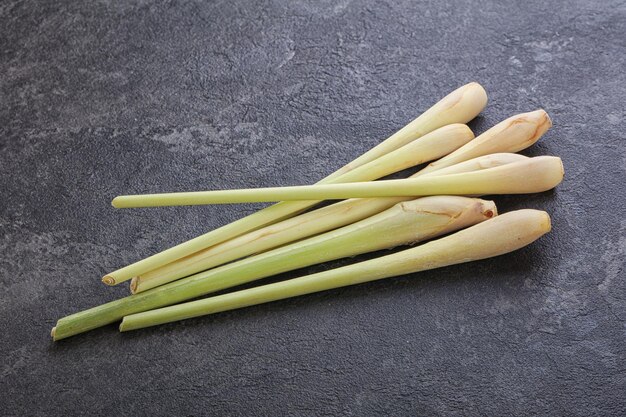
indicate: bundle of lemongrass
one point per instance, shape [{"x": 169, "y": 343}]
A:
[{"x": 376, "y": 215}]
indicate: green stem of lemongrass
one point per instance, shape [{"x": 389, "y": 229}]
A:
[
  {"x": 295, "y": 228},
  {"x": 503, "y": 234},
  {"x": 460, "y": 106},
  {"x": 529, "y": 176},
  {"x": 404, "y": 223}
]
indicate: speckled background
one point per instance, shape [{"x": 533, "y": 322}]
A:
[{"x": 101, "y": 98}]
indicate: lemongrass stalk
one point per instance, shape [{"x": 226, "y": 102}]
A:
[
  {"x": 404, "y": 223},
  {"x": 295, "y": 228},
  {"x": 503, "y": 234},
  {"x": 511, "y": 135},
  {"x": 532, "y": 175},
  {"x": 477, "y": 164},
  {"x": 433, "y": 145},
  {"x": 460, "y": 106}
]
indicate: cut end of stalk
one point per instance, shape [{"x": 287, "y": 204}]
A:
[
  {"x": 109, "y": 280},
  {"x": 53, "y": 332},
  {"x": 115, "y": 202},
  {"x": 546, "y": 223},
  {"x": 553, "y": 175},
  {"x": 469, "y": 99},
  {"x": 488, "y": 208},
  {"x": 133, "y": 285},
  {"x": 122, "y": 327},
  {"x": 543, "y": 122},
  {"x": 548, "y": 119},
  {"x": 479, "y": 94}
]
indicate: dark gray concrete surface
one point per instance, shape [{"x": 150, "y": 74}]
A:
[{"x": 101, "y": 98}]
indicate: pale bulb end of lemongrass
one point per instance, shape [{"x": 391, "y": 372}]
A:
[
  {"x": 460, "y": 130},
  {"x": 521, "y": 131},
  {"x": 53, "y": 332},
  {"x": 547, "y": 120},
  {"x": 546, "y": 224},
  {"x": 478, "y": 94},
  {"x": 506, "y": 233},
  {"x": 469, "y": 100},
  {"x": 109, "y": 280},
  {"x": 540, "y": 119},
  {"x": 536, "y": 175},
  {"x": 134, "y": 282},
  {"x": 514, "y": 134},
  {"x": 555, "y": 173},
  {"x": 526, "y": 226}
]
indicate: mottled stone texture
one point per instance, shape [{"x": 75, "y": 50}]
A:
[{"x": 100, "y": 98}]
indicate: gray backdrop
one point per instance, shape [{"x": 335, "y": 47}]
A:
[{"x": 100, "y": 98}]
